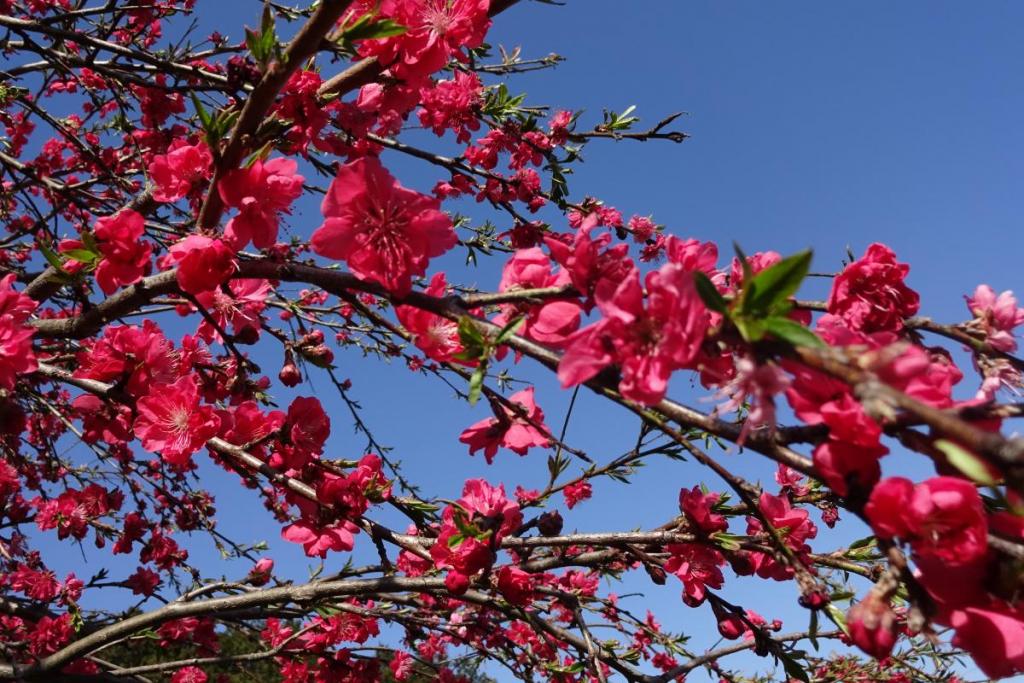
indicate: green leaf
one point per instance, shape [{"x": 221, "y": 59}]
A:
[
  {"x": 476, "y": 383},
  {"x": 793, "y": 668},
  {"x": 812, "y": 630},
  {"x": 252, "y": 41},
  {"x": 510, "y": 329},
  {"x": 969, "y": 464},
  {"x": 793, "y": 332},
  {"x": 51, "y": 257},
  {"x": 709, "y": 293},
  {"x": 774, "y": 285},
  {"x": 83, "y": 255},
  {"x": 371, "y": 30},
  {"x": 469, "y": 334},
  {"x": 837, "y": 616},
  {"x": 90, "y": 242},
  {"x": 751, "y": 329},
  {"x": 727, "y": 541},
  {"x": 204, "y": 116},
  {"x": 267, "y": 20},
  {"x": 556, "y": 465},
  {"x": 223, "y": 123}
]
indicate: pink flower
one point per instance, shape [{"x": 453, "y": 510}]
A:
[
  {"x": 308, "y": 425},
  {"x": 849, "y": 458},
  {"x": 237, "y": 313},
  {"x": 143, "y": 582},
  {"x": 452, "y": 105},
  {"x": 791, "y": 480},
  {"x": 793, "y": 524},
  {"x": 16, "y": 355},
  {"x": 351, "y": 494},
  {"x": 559, "y": 130},
  {"x": 125, "y": 255},
  {"x": 594, "y": 268},
  {"x": 870, "y": 294},
  {"x": 696, "y": 505},
  {"x": 698, "y": 567},
  {"x": 203, "y": 263},
  {"x": 516, "y": 585},
  {"x": 943, "y": 518},
  {"x": 996, "y": 316},
  {"x": 175, "y": 173},
  {"x": 692, "y": 255},
  {"x": 754, "y": 384},
  {"x": 189, "y": 674},
  {"x": 437, "y": 337},
  {"x": 259, "y": 192},
  {"x": 246, "y": 423},
  {"x": 384, "y": 232},
  {"x": 470, "y": 528},
  {"x": 515, "y": 431},
  {"x": 401, "y": 665},
  {"x": 549, "y": 323},
  {"x": 317, "y": 540},
  {"x": 845, "y": 466},
  {"x": 137, "y": 356},
  {"x": 994, "y": 635},
  {"x": 642, "y": 227},
  {"x": 49, "y": 635},
  {"x": 927, "y": 375},
  {"x": 299, "y": 105},
  {"x": 171, "y": 421},
  {"x": 437, "y": 30},
  {"x": 873, "y": 626},
  {"x": 647, "y": 342},
  {"x": 577, "y": 493}
]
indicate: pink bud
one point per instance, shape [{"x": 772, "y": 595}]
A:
[{"x": 873, "y": 626}]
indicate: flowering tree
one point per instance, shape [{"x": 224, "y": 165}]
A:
[{"x": 148, "y": 179}]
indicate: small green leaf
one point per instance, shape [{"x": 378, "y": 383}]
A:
[
  {"x": 774, "y": 285},
  {"x": 510, "y": 329},
  {"x": 727, "y": 541},
  {"x": 51, "y": 257},
  {"x": 969, "y": 464},
  {"x": 385, "y": 28},
  {"x": 556, "y": 465},
  {"x": 204, "y": 116},
  {"x": 83, "y": 255},
  {"x": 469, "y": 334},
  {"x": 812, "y": 630},
  {"x": 793, "y": 668},
  {"x": 709, "y": 293},
  {"x": 90, "y": 242},
  {"x": 837, "y": 616},
  {"x": 476, "y": 383},
  {"x": 267, "y": 20},
  {"x": 751, "y": 329},
  {"x": 793, "y": 332}
]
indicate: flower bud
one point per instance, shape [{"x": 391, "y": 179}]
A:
[
  {"x": 260, "y": 573},
  {"x": 289, "y": 375},
  {"x": 550, "y": 523},
  {"x": 816, "y": 597},
  {"x": 247, "y": 336},
  {"x": 873, "y": 626}
]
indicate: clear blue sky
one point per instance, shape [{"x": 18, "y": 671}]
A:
[{"x": 820, "y": 125}]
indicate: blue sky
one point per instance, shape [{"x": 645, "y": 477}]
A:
[{"x": 821, "y": 125}]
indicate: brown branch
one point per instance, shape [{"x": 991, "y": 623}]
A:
[{"x": 304, "y": 45}]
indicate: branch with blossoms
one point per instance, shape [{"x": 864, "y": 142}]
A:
[{"x": 167, "y": 195}]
